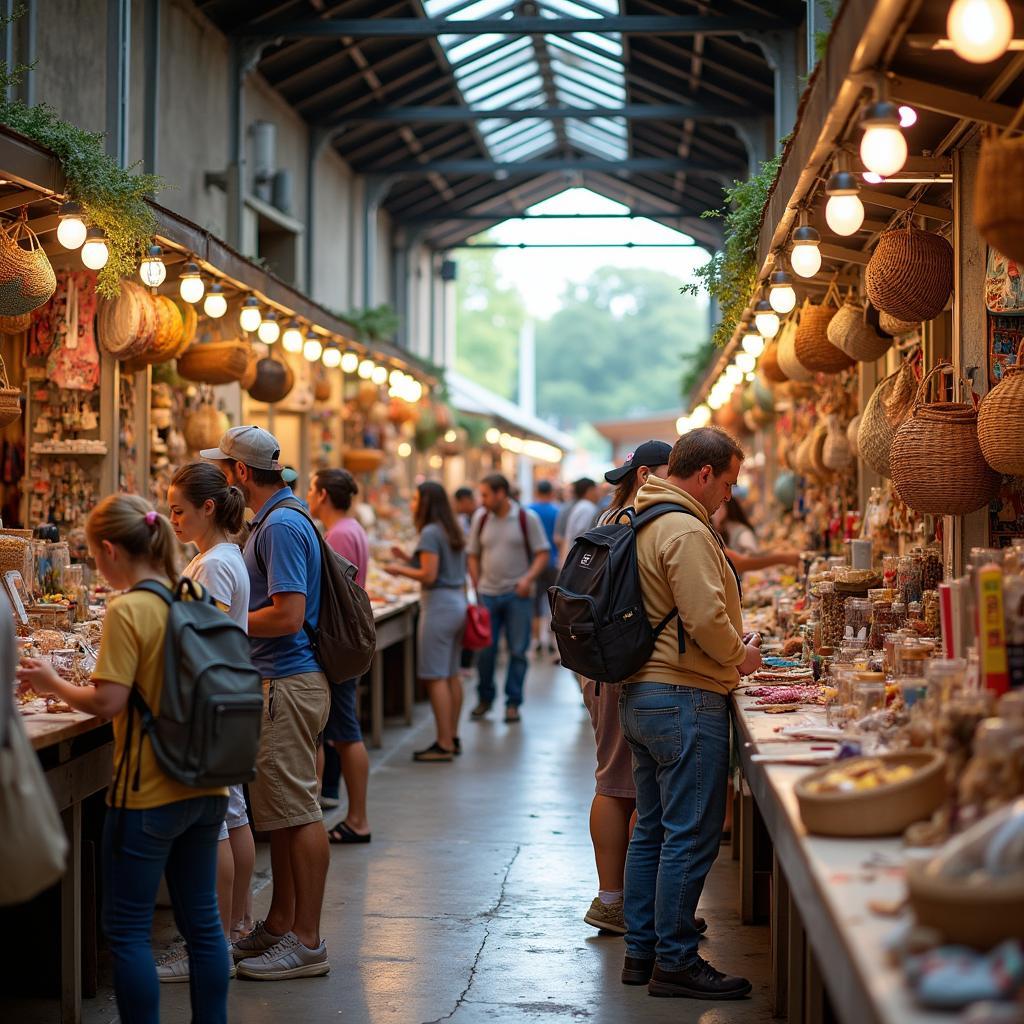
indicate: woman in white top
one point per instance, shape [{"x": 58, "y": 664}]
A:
[{"x": 205, "y": 511}]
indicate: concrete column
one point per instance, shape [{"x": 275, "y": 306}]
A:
[
  {"x": 757, "y": 134},
  {"x": 528, "y": 369},
  {"x": 817, "y": 21},
  {"x": 119, "y": 36},
  {"x": 780, "y": 50},
  {"x": 376, "y": 189},
  {"x": 151, "y": 95}
]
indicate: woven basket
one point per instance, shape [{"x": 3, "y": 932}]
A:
[
  {"x": 816, "y": 452},
  {"x": 836, "y": 453},
  {"x": 1001, "y": 421},
  {"x": 190, "y": 324},
  {"x": 204, "y": 427},
  {"x": 801, "y": 458},
  {"x": 15, "y": 324},
  {"x": 854, "y": 330},
  {"x": 852, "y": 430},
  {"x": 362, "y": 460},
  {"x": 10, "y": 398},
  {"x": 910, "y": 274},
  {"x": 790, "y": 365},
  {"x": 896, "y": 327},
  {"x": 812, "y": 346},
  {"x": 937, "y": 464},
  {"x": 321, "y": 386},
  {"x": 27, "y": 279},
  {"x": 769, "y": 364},
  {"x": 214, "y": 362},
  {"x": 875, "y": 433},
  {"x": 274, "y": 380},
  {"x": 121, "y": 322},
  {"x": 999, "y": 195}
]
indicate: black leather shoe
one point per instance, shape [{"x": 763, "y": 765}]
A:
[
  {"x": 699, "y": 922},
  {"x": 636, "y": 971},
  {"x": 698, "y": 981}
]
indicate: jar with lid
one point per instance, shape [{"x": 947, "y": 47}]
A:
[
  {"x": 833, "y": 621},
  {"x": 882, "y": 621},
  {"x": 890, "y": 565},
  {"x": 899, "y": 614},
  {"x": 908, "y": 579},
  {"x": 932, "y": 572},
  {"x": 857, "y": 619},
  {"x": 911, "y": 657},
  {"x": 946, "y": 678},
  {"x": 931, "y": 615},
  {"x": 784, "y": 615}
]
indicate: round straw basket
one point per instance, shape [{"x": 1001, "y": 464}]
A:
[
  {"x": 121, "y": 320},
  {"x": 274, "y": 381},
  {"x": 937, "y": 464},
  {"x": 812, "y": 346},
  {"x": 769, "y": 364},
  {"x": 836, "y": 454},
  {"x": 27, "y": 279},
  {"x": 789, "y": 363},
  {"x": 875, "y": 432},
  {"x": 1001, "y": 421},
  {"x": 10, "y": 398},
  {"x": 214, "y": 362},
  {"x": 889, "y": 324},
  {"x": 854, "y": 330},
  {"x": 816, "y": 452},
  {"x": 851, "y": 435},
  {"x": 999, "y": 195},
  {"x": 190, "y": 324},
  {"x": 204, "y": 427},
  {"x": 910, "y": 274},
  {"x": 15, "y": 324}
]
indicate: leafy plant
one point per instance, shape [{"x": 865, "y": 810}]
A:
[
  {"x": 376, "y": 324},
  {"x": 112, "y": 197},
  {"x": 829, "y": 8}
]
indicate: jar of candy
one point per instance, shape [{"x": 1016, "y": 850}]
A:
[
  {"x": 882, "y": 621},
  {"x": 946, "y": 677},
  {"x": 932, "y": 572},
  {"x": 908, "y": 579},
  {"x": 857, "y": 619}
]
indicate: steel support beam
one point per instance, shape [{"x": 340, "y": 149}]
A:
[
  {"x": 529, "y": 168},
  {"x": 575, "y": 245},
  {"x": 440, "y": 217},
  {"x": 756, "y": 134},
  {"x": 780, "y": 49},
  {"x": 367, "y": 28},
  {"x": 319, "y": 140},
  {"x": 119, "y": 37},
  {"x": 942, "y": 100},
  {"x": 151, "y": 94},
  {"x": 376, "y": 189}
]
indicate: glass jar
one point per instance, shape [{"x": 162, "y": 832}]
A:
[
  {"x": 857, "y": 619},
  {"x": 899, "y": 614},
  {"x": 890, "y": 565},
  {"x": 932, "y": 573},
  {"x": 882, "y": 621},
  {"x": 908, "y": 579},
  {"x": 946, "y": 677},
  {"x": 868, "y": 691},
  {"x": 911, "y": 657},
  {"x": 784, "y": 615}
]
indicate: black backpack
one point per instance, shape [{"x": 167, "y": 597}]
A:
[
  {"x": 208, "y": 727},
  {"x": 345, "y": 637},
  {"x": 597, "y": 607}
]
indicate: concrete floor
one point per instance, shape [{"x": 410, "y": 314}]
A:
[{"x": 468, "y": 904}]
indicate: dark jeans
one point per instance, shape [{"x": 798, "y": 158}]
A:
[
  {"x": 679, "y": 736},
  {"x": 512, "y": 615},
  {"x": 178, "y": 840}
]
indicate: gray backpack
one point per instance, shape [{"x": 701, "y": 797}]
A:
[{"x": 207, "y": 730}]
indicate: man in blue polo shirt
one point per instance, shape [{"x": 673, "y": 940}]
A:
[{"x": 283, "y": 559}]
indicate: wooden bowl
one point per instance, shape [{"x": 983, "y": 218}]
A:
[{"x": 883, "y": 811}]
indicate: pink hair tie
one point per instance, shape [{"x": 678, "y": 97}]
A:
[{"x": 151, "y": 518}]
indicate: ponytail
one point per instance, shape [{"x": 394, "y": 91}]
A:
[
  {"x": 130, "y": 522},
  {"x": 200, "y": 482}
]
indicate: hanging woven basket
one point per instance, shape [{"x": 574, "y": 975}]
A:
[
  {"x": 791, "y": 366},
  {"x": 852, "y": 430},
  {"x": 816, "y": 452},
  {"x": 127, "y": 324},
  {"x": 214, "y": 362},
  {"x": 769, "y": 364},
  {"x": 910, "y": 274},
  {"x": 811, "y": 344},
  {"x": 937, "y": 463},
  {"x": 999, "y": 194},
  {"x": 274, "y": 381},
  {"x": 15, "y": 324},
  {"x": 27, "y": 279},
  {"x": 1001, "y": 421},
  {"x": 855, "y": 331},
  {"x": 836, "y": 453},
  {"x": 205, "y": 426},
  {"x": 10, "y": 398},
  {"x": 878, "y": 425}
]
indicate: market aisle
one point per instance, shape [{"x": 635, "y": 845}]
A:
[{"x": 468, "y": 905}]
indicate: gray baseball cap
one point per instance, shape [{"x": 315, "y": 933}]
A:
[{"x": 252, "y": 446}]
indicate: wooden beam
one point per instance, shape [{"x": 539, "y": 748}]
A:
[
  {"x": 947, "y": 101},
  {"x": 19, "y": 198},
  {"x": 844, "y": 255},
  {"x": 939, "y": 213}
]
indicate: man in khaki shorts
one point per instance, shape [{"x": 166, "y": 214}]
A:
[{"x": 283, "y": 559}]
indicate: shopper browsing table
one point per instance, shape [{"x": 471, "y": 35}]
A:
[
  {"x": 508, "y": 550},
  {"x": 283, "y": 559}
]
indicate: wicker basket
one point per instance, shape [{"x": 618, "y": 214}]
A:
[
  {"x": 937, "y": 464},
  {"x": 126, "y": 324},
  {"x": 15, "y": 324},
  {"x": 769, "y": 364},
  {"x": 999, "y": 195},
  {"x": 875, "y": 432},
  {"x": 910, "y": 274},
  {"x": 836, "y": 453},
  {"x": 190, "y": 324},
  {"x": 27, "y": 279},
  {"x": 790, "y": 365},
  {"x": 816, "y": 452},
  {"x": 855, "y": 330},
  {"x": 204, "y": 427},
  {"x": 10, "y": 398},
  {"x": 1001, "y": 421},
  {"x": 362, "y": 460},
  {"x": 852, "y": 430},
  {"x": 274, "y": 380},
  {"x": 214, "y": 362},
  {"x": 812, "y": 346},
  {"x": 896, "y": 327}
]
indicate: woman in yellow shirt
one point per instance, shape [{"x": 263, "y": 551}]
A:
[{"x": 155, "y": 825}]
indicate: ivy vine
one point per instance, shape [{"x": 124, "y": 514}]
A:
[{"x": 112, "y": 197}]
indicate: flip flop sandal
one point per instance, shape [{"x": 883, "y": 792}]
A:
[{"x": 342, "y": 834}]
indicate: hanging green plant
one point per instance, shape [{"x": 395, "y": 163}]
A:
[
  {"x": 113, "y": 197},
  {"x": 377, "y": 324}
]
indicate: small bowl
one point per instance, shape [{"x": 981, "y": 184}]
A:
[{"x": 883, "y": 811}]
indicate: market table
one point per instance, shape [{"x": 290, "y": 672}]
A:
[
  {"x": 821, "y": 889},
  {"x": 396, "y": 624}
]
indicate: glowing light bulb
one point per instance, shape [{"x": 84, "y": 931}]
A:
[
  {"x": 366, "y": 368},
  {"x": 379, "y": 375},
  {"x": 733, "y": 374},
  {"x": 781, "y": 295},
  {"x": 313, "y": 348},
  {"x": 215, "y": 305},
  {"x": 715, "y": 401},
  {"x": 746, "y": 362},
  {"x": 753, "y": 343},
  {"x": 805, "y": 258},
  {"x": 883, "y": 149},
  {"x": 190, "y": 285},
  {"x": 395, "y": 378},
  {"x": 493, "y": 435},
  {"x": 700, "y": 417},
  {"x": 292, "y": 340},
  {"x": 980, "y": 30},
  {"x": 415, "y": 391},
  {"x": 332, "y": 357},
  {"x": 349, "y": 362},
  {"x": 908, "y": 116},
  {"x": 872, "y": 179},
  {"x": 152, "y": 269},
  {"x": 95, "y": 252},
  {"x": 450, "y": 437},
  {"x": 269, "y": 329},
  {"x": 766, "y": 319},
  {"x": 71, "y": 230},
  {"x": 250, "y": 317},
  {"x": 844, "y": 212},
  {"x": 682, "y": 425},
  {"x": 404, "y": 450}
]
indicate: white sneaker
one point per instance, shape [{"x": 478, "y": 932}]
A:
[
  {"x": 173, "y": 966},
  {"x": 288, "y": 959},
  {"x": 256, "y": 943}
]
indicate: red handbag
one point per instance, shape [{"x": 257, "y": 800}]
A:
[{"x": 477, "y": 634}]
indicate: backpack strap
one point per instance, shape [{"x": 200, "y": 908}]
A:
[{"x": 523, "y": 526}]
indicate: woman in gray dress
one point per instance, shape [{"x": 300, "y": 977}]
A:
[{"x": 439, "y": 564}]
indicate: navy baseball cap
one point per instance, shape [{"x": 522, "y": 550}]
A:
[{"x": 650, "y": 454}]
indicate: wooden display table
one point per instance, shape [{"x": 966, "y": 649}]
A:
[{"x": 396, "y": 624}]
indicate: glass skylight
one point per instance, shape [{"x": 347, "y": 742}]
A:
[{"x": 496, "y": 71}]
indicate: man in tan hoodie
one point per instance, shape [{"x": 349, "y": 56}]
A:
[{"x": 675, "y": 717}]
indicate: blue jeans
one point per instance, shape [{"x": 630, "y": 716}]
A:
[
  {"x": 679, "y": 736},
  {"x": 179, "y": 840},
  {"x": 513, "y": 615}
]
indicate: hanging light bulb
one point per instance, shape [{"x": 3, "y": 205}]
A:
[
  {"x": 152, "y": 269},
  {"x": 781, "y": 295},
  {"x": 908, "y": 116},
  {"x": 450, "y": 437},
  {"x": 715, "y": 400},
  {"x": 332, "y": 356},
  {"x": 844, "y": 211},
  {"x": 269, "y": 329},
  {"x": 872, "y": 179},
  {"x": 395, "y": 377},
  {"x": 190, "y": 284},
  {"x": 883, "y": 149},
  {"x": 95, "y": 252},
  {"x": 805, "y": 258},
  {"x": 292, "y": 340},
  {"x": 746, "y": 362},
  {"x": 733, "y": 374},
  {"x": 766, "y": 319},
  {"x": 366, "y": 368},
  {"x": 415, "y": 392},
  {"x": 379, "y": 375},
  {"x": 215, "y": 305},
  {"x": 700, "y": 417},
  {"x": 682, "y": 425},
  {"x": 250, "y": 317},
  {"x": 980, "y": 30},
  {"x": 71, "y": 230},
  {"x": 349, "y": 362},
  {"x": 313, "y": 348},
  {"x": 753, "y": 342},
  {"x": 404, "y": 450}
]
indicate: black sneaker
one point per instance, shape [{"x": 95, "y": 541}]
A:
[
  {"x": 636, "y": 971},
  {"x": 480, "y": 710},
  {"x": 457, "y": 743},
  {"x": 698, "y": 981}
]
